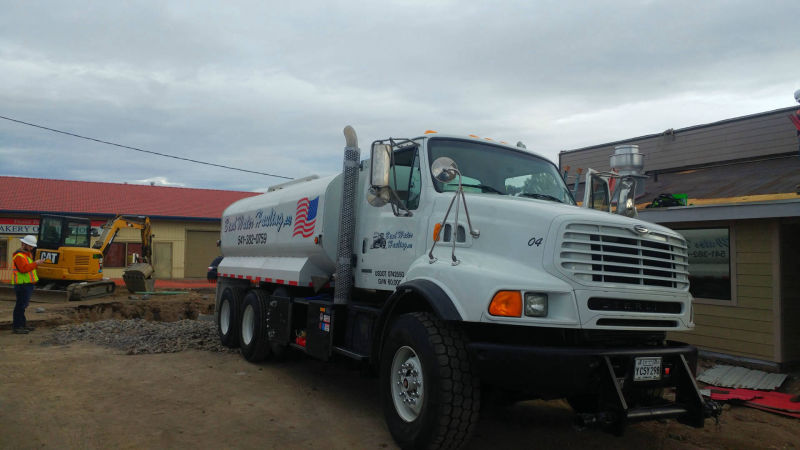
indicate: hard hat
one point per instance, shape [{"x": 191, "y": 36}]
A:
[{"x": 29, "y": 239}]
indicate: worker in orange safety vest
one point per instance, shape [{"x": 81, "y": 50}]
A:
[{"x": 24, "y": 278}]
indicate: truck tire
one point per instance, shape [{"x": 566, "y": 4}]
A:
[
  {"x": 228, "y": 316},
  {"x": 253, "y": 339},
  {"x": 430, "y": 396}
]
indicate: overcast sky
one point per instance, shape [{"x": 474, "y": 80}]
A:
[{"x": 269, "y": 86}]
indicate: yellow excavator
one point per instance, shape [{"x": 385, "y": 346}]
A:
[{"x": 73, "y": 264}]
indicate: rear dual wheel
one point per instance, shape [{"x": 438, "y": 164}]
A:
[
  {"x": 253, "y": 338},
  {"x": 228, "y": 316}
]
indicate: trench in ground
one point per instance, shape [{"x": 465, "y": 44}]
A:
[{"x": 170, "y": 310}]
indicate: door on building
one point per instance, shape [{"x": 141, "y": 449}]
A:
[
  {"x": 3, "y": 253},
  {"x": 162, "y": 259},
  {"x": 5, "y": 270},
  {"x": 201, "y": 249}
]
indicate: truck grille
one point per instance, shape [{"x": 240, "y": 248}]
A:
[{"x": 606, "y": 254}]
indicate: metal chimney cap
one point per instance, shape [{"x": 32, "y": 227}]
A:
[
  {"x": 627, "y": 159},
  {"x": 625, "y": 149}
]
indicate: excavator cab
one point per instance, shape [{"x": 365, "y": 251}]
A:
[{"x": 70, "y": 263}]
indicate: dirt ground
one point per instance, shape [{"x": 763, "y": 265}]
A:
[{"x": 87, "y": 396}]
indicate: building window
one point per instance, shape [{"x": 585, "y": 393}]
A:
[
  {"x": 709, "y": 262},
  {"x": 121, "y": 254}
]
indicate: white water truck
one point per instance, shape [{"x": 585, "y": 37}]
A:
[{"x": 458, "y": 267}]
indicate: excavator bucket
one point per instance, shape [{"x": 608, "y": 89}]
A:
[{"x": 139, "y": 277}]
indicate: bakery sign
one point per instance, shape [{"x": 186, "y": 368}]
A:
[{"x": 18, "y": 226}]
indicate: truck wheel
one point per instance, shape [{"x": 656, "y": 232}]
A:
[
  {"x": 228, "y": 316},
  {"x": 253, "y": 342},
  {"x": 429, "y": 394}
]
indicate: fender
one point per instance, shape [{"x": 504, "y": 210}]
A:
[{"x": 433, "y": 296}]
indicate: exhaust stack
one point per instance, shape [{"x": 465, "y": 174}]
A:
[{"x": 347, "y": 219}]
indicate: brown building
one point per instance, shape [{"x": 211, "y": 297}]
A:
[{"x": 742, "y": 222}]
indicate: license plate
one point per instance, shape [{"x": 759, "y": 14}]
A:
[{"x": 647, "y": 369}]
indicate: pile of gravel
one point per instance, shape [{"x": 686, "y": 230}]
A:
[{"x": 136, "y": 336}]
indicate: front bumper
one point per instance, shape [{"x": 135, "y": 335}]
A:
[{"x": 606, "y": 375}]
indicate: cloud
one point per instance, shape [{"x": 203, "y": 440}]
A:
[
  {"x": 268, "y": 87},
  {"x": 158, "y": 181}
]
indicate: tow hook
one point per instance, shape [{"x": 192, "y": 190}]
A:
[{"x": 712, "y": 409}]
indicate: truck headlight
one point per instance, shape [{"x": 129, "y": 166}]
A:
[{"x": 535, "y": 304}]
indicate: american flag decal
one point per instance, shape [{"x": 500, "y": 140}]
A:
[{"x": 306, "y": 217}]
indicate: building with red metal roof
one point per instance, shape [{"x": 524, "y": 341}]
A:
[{"x": 185, "y": 220}]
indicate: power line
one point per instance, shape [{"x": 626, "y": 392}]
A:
[{"x": 142, "y": 150}]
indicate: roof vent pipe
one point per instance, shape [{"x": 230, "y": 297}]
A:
[{"x": 627, "y": 160}]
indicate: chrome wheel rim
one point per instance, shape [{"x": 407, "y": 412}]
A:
[
  {"x": 225, "y": 316},
  {"x": 408, "y": 387},
  {"x": 248, "y": 325}
]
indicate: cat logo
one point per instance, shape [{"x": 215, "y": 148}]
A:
[{"x": 49, "y": 257}]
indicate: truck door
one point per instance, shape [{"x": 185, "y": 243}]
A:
[{"x": 387, "y": 243}]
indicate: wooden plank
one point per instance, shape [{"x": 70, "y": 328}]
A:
[
  {"x": 754, "y": 280},
  {"x": 763, "y": 315},
  {"x": 695, "y": 153},
  {"x": 743, "y": 336},
  {"x": 754, "y": 257},
  {"x": 753, "y": 269},
  {"x": 752, "y": 240},
  {"x": 749, "y": 291},
  {"x": 759, "y": 351},
  {"x": 754, "y": 302},
  {"x": 736, "y": 324}
]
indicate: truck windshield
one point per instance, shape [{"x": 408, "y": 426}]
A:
[{"x": 495, "y": 170}]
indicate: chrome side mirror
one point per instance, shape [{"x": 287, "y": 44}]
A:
[
  {"x": 596, "y": 193},
  {"x": 444, "y": 169},
  {"x": 626, "y": 196},
  {"x": 380, "y": 165}
]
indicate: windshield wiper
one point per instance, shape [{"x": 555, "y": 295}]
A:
[
  {"x": 540, "y": 196},
  {"x": 482, "y": 187}
]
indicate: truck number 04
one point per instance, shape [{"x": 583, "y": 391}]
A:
[{"x": 535, "y": 241}]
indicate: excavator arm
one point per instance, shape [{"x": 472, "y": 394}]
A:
[
  {"x": 112, "y": 227},
  {"x": 137, "y": 277}
]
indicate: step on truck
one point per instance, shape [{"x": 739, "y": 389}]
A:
[{"x": 456, "y": 267}]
